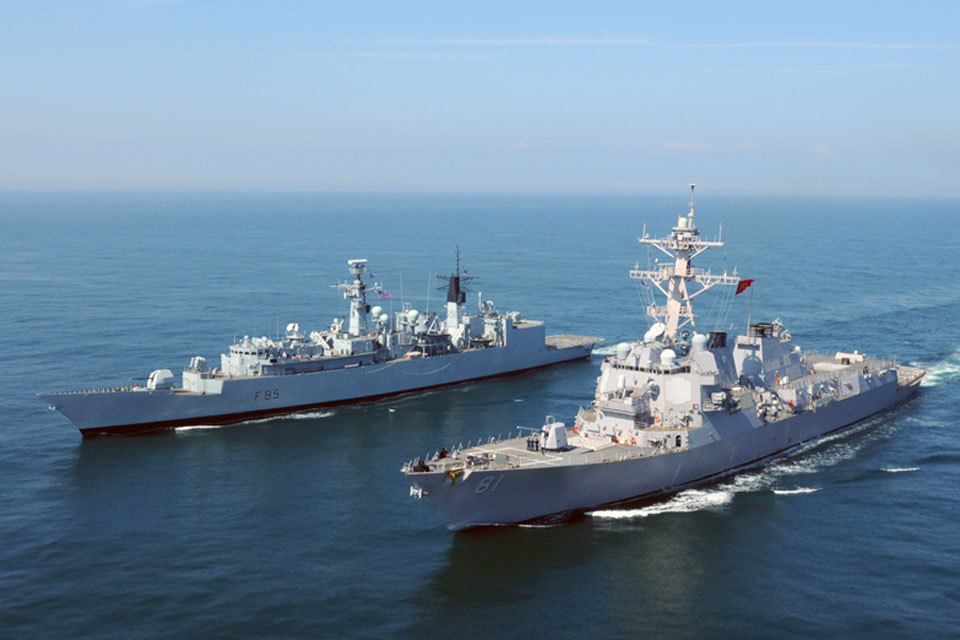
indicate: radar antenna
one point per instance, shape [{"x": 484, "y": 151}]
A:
[
  {"x": 356, "y": 293},
  {"x": 682, "y": 245}
]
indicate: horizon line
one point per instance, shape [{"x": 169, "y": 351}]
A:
[
  {"x": 741, "y": 190},
  {"x": 647, "y": 42}
]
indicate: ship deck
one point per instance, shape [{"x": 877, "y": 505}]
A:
[
  {"x": 568, "y": 341},
  {"x": 825, "y": 367},
  {"x": 512, "y": 453}
]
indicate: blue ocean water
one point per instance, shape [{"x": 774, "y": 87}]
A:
[{"x": 303, "y": 527}]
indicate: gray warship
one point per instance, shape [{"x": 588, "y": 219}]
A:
[
  {"x": 675, "y": 409},
  {"x": 376, "y": 354}
]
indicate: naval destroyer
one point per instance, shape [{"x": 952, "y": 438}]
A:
[
  {"x": 375, "y": 354},
  {"x": 672, "y": 410}
]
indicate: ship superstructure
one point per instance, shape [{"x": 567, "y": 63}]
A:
[
  {"x": 673, "y": 409},
  {"x": 368, "y": 354}
]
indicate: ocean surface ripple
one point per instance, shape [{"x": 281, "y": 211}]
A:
[{"x": 302, "y": 526}]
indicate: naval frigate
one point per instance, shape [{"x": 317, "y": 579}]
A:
[
  {"x": 675, "y": 409},
  {"x": 376, "y": 354}
]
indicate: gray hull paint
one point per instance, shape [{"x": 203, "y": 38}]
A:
[
  {"x": 101, "y": 411},
  {"x": 523, "y": 495}
]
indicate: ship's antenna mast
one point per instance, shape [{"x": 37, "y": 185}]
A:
[
  {"x": 682, "y": 246},
  {"x": 429, "y": 281},
  {"x": 356, "y": 293}
]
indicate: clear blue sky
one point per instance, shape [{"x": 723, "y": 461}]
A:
[{"x": 821, "y": 97}]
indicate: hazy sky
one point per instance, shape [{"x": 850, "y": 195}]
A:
[{"x": 822, "y": 97}]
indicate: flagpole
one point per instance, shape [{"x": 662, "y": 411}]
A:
[
  {"x": 750, "y": 311},
  {"x": 429, "y": 284}
]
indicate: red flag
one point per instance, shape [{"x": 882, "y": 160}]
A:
[{"x": 742, "y": 286}]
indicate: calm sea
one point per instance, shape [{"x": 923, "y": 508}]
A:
[{"x": 303, "y": 526}]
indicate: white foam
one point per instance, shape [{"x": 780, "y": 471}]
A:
[
  {"x": 608, "y": 350},
  {"x": 684, "y": 502},
  {"x": 943, "y": 372},
  {"x": 199, "y": 427},
  {"x": 518, "y": 399},
  {"x": 814, "y": 456},
  {"x": 808, "y": 459},
  {"x": 899, "y": 469},
  {"x": 812, "y": 461},
  {"x": 748, "y": 482},
  {"x": 310, "y": 415}
]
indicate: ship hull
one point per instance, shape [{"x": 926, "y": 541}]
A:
[
  {"x": 522, "y": 495},
  {"x": 130, "y": 412}
]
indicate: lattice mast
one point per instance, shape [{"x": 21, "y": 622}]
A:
[{"x": 682, "y": 245}]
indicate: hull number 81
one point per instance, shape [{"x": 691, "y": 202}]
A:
[{"x": 488, "y": 484}]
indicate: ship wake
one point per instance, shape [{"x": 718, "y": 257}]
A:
[
  {"x": 310, "y": 415},
  {"x": 777, "y": 477},
  {"x": 797, "y": 491},
  {"x": 683, "y": 502},
  {"x": 199, "y": 427},
  {"x": 943, "y": 372},
  {"x": 306, "y": 415}
]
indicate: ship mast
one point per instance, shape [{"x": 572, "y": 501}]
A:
[
  {"x": 456, "y": 296},
  {"x": 356, "y": 293},
  {"x": 682, "y": 245}
]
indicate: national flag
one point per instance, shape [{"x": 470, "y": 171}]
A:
[
  {"x": 742, "y": 286},
  {"x": 644, "y": 283},
  {"x": 385, "y": 295}
]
